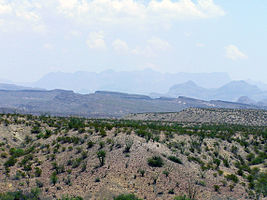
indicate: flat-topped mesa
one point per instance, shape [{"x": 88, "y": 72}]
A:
[{"x": 123, "y": 95}]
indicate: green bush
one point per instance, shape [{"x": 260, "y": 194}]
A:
[
  {"x": 70, "y": 198},
  {"x": 126, "y": 197},
  {"x": 175, "y": 159},
  {"x": 10, "y": 162},
  {"x": 20, "y": 195},
  {"x": 54, "y": 178},
  {"x": 16, "y": 152},
  {"x": 232, "y": 177},
  {"x": 101, "y": 156},
  {"x": 155, "y": 161},
  {"x": 216, "y": 188}
]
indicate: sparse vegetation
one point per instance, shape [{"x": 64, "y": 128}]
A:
[{"x": 54, "y": 154}]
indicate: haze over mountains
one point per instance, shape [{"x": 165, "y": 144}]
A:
[
  {"x": 231, "y": 91},
  {"x": 140, "y": 82},
  {"x": 205, "y": 86}
]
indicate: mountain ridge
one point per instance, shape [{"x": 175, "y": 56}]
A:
[
  {"x": 231, "y": 91},
  {"x": 102, "y": 104},
  {"x": 141, "y": 82}
]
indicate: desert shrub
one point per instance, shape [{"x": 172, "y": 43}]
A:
[
  {"x": 101, "y": 156},
  {"x": 261, "y": 184},
  {"x": 3, "y": 155},
  {"x": 126, "y": 197},
  {"x": 36, "y": 130},
  {"x": 234, "y": 149},
  {"x": 155, "y": 161},
  {"x": 142, "y": 172},
  {"x": 76, "y": 163},
  {"x": 70, "y": 198},
  {"x": 39, "y": 184},
  {"x": 175, "y": 159},
  {"x": 83, "y": 167},
  {"x": 145, "y": 134},
  {"x": 129, "y": 144},
  {"x": 90, "y": 144},
  {"x": 195, "y": 159},
  {"x": 226, "y": 162},
  {"x": 10, "y": 162},
  {"x": 217, "y": 162},
  {"x": 81, "y": 130},
  {"x": 37, "y": 172},
  {"x": 166, "y": 173},
  {"x": 216, "y": 188},
  {"x": 84, "y": 155},
  {"x": 101, "y": 144},
  {"x": 20, "y": 195},
  {"x": 103, "y": 133},
  {"x": 16, "y": 152},
  {"x": 76, "y": 123},
  {"x": 259, "y": 159},
  {"x": 232, "y": 177},
  {"x": 54, "y": 178}
]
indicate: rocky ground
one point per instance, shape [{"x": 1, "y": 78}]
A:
[
  {"x": 62, "y": 156},
  {"x": 205, "y": 115}
]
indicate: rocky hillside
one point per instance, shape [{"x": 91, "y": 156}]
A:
[
  {"x": 99, "y": 104},
  {"x": 100, "y": 159},
  {"x": 205, "y": 115}
]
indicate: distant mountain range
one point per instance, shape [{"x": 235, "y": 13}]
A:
[
  {"x": 100, "y": 104},
  {"x": 138, "y": 82},
  {"x": 204, "y": 86},
  {"x": 7, "y": 86},
  {"x": 231, "y": 91}
]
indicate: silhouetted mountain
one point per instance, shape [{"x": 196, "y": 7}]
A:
[
  {"x": 246, "y": 100},
  {"x": 236, "y": 89},
  {"x": 140, "y": 82},
  {"x": 189, "y": 89},
  {"x": 7, "y": 86},
  {"x": 259, "y": 84},
  {"x": 231, "y": 91}
]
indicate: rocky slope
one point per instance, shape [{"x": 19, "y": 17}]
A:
[
  {"x": 206, "y": 115},
  {"x": 99, "y": 159}
]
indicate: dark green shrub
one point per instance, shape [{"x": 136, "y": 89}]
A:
[
  {"x": 101, "y": 156},
  {"x": 10, "y": 162},
  {"x": 155, "y": 161},
  {"x": 126, "y": 197},
  {"x": 175, "y": 159},
  {"x": 232, "y": 177},
  {"x": 20, "y": 195},
  {"x": 90, "y": 144},
  {"x": 70, "y": 198},
  {"x": 54, "y": 178},
  {"x": 37, "y": 172},
  {"x": 216, "y": 188}
]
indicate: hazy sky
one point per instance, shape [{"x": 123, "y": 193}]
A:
[{"x": 40, "y": 36}]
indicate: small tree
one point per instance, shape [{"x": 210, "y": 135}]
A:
[{"x": 101, "y": 156}]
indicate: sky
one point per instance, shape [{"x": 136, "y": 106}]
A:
[{"x": 42, "y": 36}]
